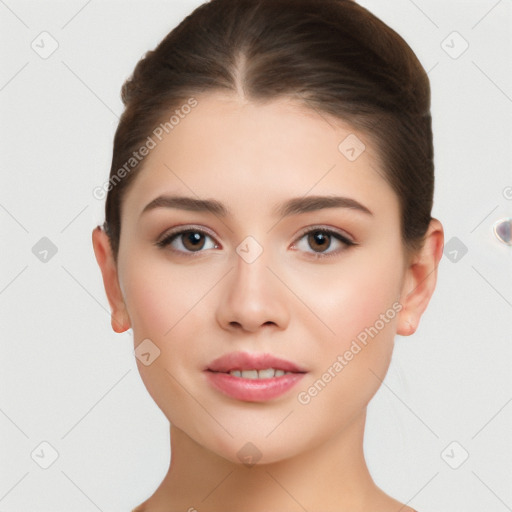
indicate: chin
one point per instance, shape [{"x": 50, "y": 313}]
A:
[{"x": 253, "y": 451}]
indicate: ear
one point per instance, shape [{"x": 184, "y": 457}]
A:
[
  {"x": 119, "y": 317},
  {"x": 420, "y": 279}
]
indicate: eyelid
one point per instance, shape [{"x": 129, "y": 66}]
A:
[
  {"x": 343, "y": 237},
  {"x": 326, "y": 227},
  {"x": 302, "y": 232},
  {"x": 176, "y": 230}
]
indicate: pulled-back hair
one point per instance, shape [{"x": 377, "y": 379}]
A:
[{"x": 331, "y": 55}]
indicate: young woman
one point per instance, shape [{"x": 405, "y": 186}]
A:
[{"x": 268, "y": 232}]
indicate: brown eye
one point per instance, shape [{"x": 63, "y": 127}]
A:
[
  {"x": 319, "y": 239},
  {"x": 322, "y": 239},
  {"x": 187, "y": 241},
  {"x": 192, "y": 240}
]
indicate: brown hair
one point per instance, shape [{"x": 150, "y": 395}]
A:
[{"x": 332, "y": 55}]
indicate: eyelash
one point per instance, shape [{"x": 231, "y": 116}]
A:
[{"x": 170, "y": 237}]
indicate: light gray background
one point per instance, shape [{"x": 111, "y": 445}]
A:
[{"x": 68, "y": 380}]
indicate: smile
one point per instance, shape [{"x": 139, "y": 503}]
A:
[
  {"x": 259, "y": 374},
  {"x": 253, "y": 385}
]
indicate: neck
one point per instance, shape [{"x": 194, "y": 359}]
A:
[{"x": 330, "y": 477}]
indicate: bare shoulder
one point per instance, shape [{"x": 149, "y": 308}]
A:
[
  {"x": 400, "y": 507},
  {"x": 397, "y": 505},
  {"x": 385, "y": 503}
]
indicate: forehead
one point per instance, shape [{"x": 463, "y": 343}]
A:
[{"x": 232, "y": 149}]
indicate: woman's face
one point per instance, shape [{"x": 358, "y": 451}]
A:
[{"x": 252, "y": 279}]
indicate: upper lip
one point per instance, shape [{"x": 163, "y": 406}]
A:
[{"x": 245, "y": 361}]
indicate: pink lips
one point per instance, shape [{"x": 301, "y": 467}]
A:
[
  {"x": 245, "y": 361},
  {"x": 252, "y": 390}
]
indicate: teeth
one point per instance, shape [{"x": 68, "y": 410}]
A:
[
  {"x": 250, "y": 374},
  {"x": 261, "y": 374},
  {"x": 266, "y": 374}
]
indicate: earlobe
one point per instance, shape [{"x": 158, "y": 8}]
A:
[
  {"x": 420, "y": 280},
  {"x": 120, "y": 319}
]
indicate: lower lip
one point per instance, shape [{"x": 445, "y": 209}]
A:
[{"x": 252, "y": 390}]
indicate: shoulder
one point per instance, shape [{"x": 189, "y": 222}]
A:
[{"x": 386, "y": 503}]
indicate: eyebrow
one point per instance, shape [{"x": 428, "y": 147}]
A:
[{"x": 292, "y": 206}]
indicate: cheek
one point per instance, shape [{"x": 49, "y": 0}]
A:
[
  {"x": 356, "y": 295},
  {"x": 150, "y": 311},
  {"x": 158, "y": 298},
  {"x": 359, "y": 303},
  {"x": 351, "y": 363},
  {"x": 162, "y": 307}
]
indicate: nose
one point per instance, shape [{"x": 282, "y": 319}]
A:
[{"x": 253, "y": 297}]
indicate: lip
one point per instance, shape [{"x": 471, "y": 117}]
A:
[
  {"x": 252, "y": 390},
  {"x": 246, "y": 361}
]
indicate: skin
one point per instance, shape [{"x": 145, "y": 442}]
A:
[{"x": 196, "y": 307}]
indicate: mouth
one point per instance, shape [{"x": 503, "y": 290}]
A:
[
  {"x": 267, "y": 373},
  {"x": 253, "y": 366},
  {"x": 253, "y": 377}
]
